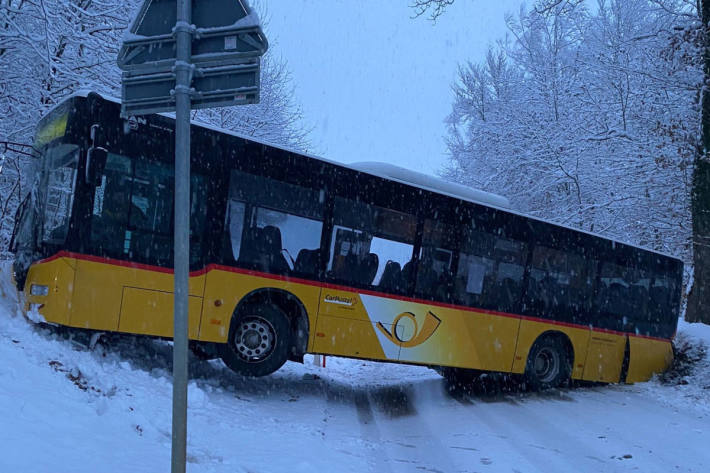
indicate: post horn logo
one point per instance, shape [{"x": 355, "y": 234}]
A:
[{"x": 431, "y": 323}]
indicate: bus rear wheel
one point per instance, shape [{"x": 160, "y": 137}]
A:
[
  {"x": 259, "y": 340},
  {"x": 548, "y": 364}
]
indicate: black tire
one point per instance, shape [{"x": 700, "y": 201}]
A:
[
  {"x": 548, "y": 364},
  {"x": 259, "y": 340},
  {"x": 203, "y": 351}
]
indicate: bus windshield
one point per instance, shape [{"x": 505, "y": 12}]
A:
[{"x": 61, "y": 161}]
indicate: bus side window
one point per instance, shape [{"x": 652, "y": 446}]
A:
[
  {"x": 287, "y": 238},
  {"x": 559, "y": 285},
  {"x": 151, "y": 212},
  {"x": 371, "y": 246},
  {"x": 434, "y": 277},
  {"x": 235, "y": 227},
  {"x": 622, "y": 298},
  {"x": 661, "y": 312},
  {"x": 283, "y": 227},
  {"x": 490, "y": 271},
  {"x": 510, "y": 256},
  {"x": 476, "y": 271},
  {"x": 199, "y": 191}
]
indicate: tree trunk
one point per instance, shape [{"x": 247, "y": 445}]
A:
[{"x": 698, "y": 309}]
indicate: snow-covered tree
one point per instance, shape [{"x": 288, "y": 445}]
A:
[
  {"x": 52, "y": 48},
  {"x": 588, "y": 117}
]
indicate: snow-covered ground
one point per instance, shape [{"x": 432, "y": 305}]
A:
[{"x": 66, "y": 408}]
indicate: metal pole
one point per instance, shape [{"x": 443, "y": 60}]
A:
[{"x": 183, "y": 34}]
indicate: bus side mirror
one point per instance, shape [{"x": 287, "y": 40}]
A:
[{"x": 95, "y": 164}]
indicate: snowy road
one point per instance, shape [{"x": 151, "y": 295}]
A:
[{"x": 65, "y": 408}]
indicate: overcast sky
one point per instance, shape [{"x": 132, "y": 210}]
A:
[{"x": 374, "y": 83}]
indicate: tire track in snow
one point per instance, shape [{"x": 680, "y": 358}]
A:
[
  {"x": 544, "y": 445},
  {"x": 610, "y": 429},
  {"x": 409, "y": 442},
  {"x": 362, "y": 428}
]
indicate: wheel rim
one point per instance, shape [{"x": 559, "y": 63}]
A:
[
  {"x": 546, "y": 364},
  {"x": 254, "y": 339}
]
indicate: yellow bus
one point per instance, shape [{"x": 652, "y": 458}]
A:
[{"x": 293, "y": 254}]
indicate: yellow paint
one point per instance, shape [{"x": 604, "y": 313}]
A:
[
  {"x": 103, "y": 296},
  {"x": 230, "y": 287},
  {"x": 530, "y": 330},
  {"x": 604, "y": 357},
  {"x": 348, "y": 337},
  {"x": 58, "y": 275},
  {"x": 150, "y": 312},
  {"x": 646, "y": 357},
  {"x": 52, "y": 130},
  {"x": 343, "y": 304},
  {"x": 417, "y": 337},
  {"x": 465, "y": 339},
  {"x": 99, "y": 295}
]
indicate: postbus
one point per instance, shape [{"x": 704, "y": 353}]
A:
[{"x": 293, "y": 254}]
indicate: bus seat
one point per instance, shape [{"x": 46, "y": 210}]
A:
[
  {"x": 391, "y": 277},
  {"x": 407, "y": 271},
  {"x": 347, "y": 270},
  {"x": 638, "y": 298},
  {"x": 250, "y": 253},
  {"x": 510, "y": 290},
  {"x": 427, "y": 277},
  {"x": 272, "y": 246},
  {"x": 368, "y": 268},
  {"x": 444, "y": 287},
  {"x": 548, "y": 292},
  {"x": 307, "y": 262}
]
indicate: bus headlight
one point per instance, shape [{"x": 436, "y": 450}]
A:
[{"x": 39, "y": 290}]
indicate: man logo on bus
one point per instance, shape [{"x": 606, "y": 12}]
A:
[{"x": 431, "y": 323}]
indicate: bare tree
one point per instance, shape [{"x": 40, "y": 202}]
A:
[{"x": 437, "y": 7}]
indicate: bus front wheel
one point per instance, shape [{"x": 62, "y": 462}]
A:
[
  {"x": 548, "y": 364},
  {"x": 259, "y": 340}
]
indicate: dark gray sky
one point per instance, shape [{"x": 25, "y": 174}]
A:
[{"x": 374, "y": 83}]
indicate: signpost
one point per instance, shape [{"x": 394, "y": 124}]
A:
[{"x": 170, "y": 64}]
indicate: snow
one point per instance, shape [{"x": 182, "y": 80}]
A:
[
  {"x": 249, "y": 21},
  {"x": 67, "y": 408},
  {"x": 435, "y": 184}
]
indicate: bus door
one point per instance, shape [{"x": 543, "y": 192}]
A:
[
  {"x": 615, "y": 302},
  {"x": 131, "y": 228}
]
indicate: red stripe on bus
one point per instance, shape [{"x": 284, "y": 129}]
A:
[
  {"x": 105, "y": 260},
  {"x": 308, "y": 282}
]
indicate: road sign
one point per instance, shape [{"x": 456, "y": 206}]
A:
[
  {"x": 213, "y": 87},
  {"x": 226, "y": 46},
  {"x": 225, "y": 33}
]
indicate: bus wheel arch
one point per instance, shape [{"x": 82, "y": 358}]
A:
[
  {"x": 291, "y": 306},
  {"x": 259, "y": 340},
  {"x": 549, "y": 361}
]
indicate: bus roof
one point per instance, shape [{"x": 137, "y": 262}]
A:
[
  {"x": 431, "y": 183},
  {"x": 392, "y": 173}
]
